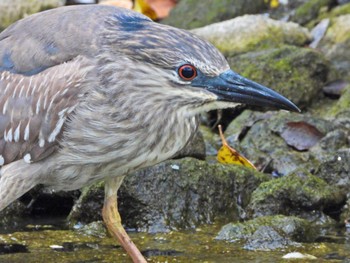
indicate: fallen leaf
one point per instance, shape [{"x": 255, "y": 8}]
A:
[
  {"x": 143, "y": 7},
  {"x": 301, "y": 135},
  {"x": 228, "y": 155}
]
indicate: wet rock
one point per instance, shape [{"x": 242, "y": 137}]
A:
[
  {"x": 39, "y": 204},
  {"x": 189, "y": 14},
  {"x": 297, "y": 73},
  {"x": 345, "y": 213},
  {"x": 289, "y": 195},
  {"x": 251, "y": 33},
  {"x": 176, "y": 194},
  {"x": 13, "y": 10},
  {"x": 310, "y": 10},
  {"x": 11, "y": 217},
  {"x": 266, "y": 238},
  {"x": 96, "y": 228},
  {"x": 270, "y": 232}
]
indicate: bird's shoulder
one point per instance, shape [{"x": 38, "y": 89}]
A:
[{"x": 34, "y": 110}]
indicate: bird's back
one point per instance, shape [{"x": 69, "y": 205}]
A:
[{"x": 52, "y": 37}]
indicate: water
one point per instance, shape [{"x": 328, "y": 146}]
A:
[{"x": 42, "y": 243}]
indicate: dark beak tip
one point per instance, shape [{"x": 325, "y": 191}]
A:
[{"x": 293, "y": 108}]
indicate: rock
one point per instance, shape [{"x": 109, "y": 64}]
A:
[
  {"x": 258, "y": 137},
  {"x": 297, "y": 73},
  {"x": 195, "y": 148},
  {"x": 41, "y": 203},
  {"x": 190, "y": 14},
  {"x": 266, "y": 238},
  {"x": 345, "y": 213},
  {"x": 334, "y": 12},
  {"x": 13, "y": 10},
  {"x": 342, "y": 107},
  {"x": 251, "y": 33},
  {"x": 309, "y": 10},
  {"x": 289, "y": 195},
  {"x": 270, "y": 232},
  {"x": 336, "y": 45},
  {"x": 298, "y": 255},
  {"x": 335, "y": 169},
  {"x": 96, "y": 228},
  {"x": 12, "y": 216},
  {"x": 211, "y": 139},
  {"x": 176, "y": 194}
]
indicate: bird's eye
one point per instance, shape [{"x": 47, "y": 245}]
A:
[{"x": 187, "y": 72}]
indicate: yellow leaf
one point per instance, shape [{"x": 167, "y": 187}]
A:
[
  {"x": 228, "y": 155},
  {"x": 143, "y": 7},
  {"x": 274, "y": 3}
]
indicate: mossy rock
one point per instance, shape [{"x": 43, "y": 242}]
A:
[
  {"x": 342, "y": 107},
  {"x": 252, "y": 32},
  {"x": 335, "y": 169},
  {"x": 190, "y": 14},
  {"x": 336, "y": 45},
  {"x": 13, "y": 10},
  {"x": 297, "y": 73},
  {"x": 333, "y": 13},
  {"x": 270, "y": 232},
  {"x": 177, "y": 194},
  {"x": 309, "y": 10},
  {"x": 289, "y": 195}
]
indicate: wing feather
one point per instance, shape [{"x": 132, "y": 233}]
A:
[{"x": 34, "y": 109}]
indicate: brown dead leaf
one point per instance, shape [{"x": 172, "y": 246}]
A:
[{"x": 301, "y": 135}]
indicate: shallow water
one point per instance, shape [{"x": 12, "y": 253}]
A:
[{"x": 48, "y": 243}]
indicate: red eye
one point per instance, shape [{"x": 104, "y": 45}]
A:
[{"x": 187, "y": 72}]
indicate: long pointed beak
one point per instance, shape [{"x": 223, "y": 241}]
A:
[{"x": 232, "y": 87}]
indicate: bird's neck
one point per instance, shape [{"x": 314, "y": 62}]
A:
[{"x": 132, "y": 132}]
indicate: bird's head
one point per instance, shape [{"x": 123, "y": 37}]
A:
[{"x": 179, "y": 63}]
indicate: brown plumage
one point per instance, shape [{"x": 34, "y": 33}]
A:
[{"x": 95, "y": 92}]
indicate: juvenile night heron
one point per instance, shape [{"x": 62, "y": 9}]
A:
[{"x": 95, "y": 92}]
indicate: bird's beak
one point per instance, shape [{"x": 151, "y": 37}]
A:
[{"x": 232, "y": 87}]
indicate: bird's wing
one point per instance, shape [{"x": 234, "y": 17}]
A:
[
  {"x": 50, "y": 38},
  {"x": 34, "y": 109}
]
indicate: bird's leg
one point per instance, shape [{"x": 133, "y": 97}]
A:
[{"x": 113, "y": 222}]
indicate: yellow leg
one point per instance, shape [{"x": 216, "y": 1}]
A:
[{"x": 113, "y": 222}]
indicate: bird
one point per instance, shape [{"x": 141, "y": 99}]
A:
[{"x": 91, "y": 93}]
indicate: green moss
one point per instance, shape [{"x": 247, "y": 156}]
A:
[
  {"x": 294, "y": 227},
  {"x": 309, "y": 10},
  {"x": 337, "y": 11},
  {"x": 303, "y": 188},
  {"x": 297, "y": 73},
  {"x": 342, "y": 105}
]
